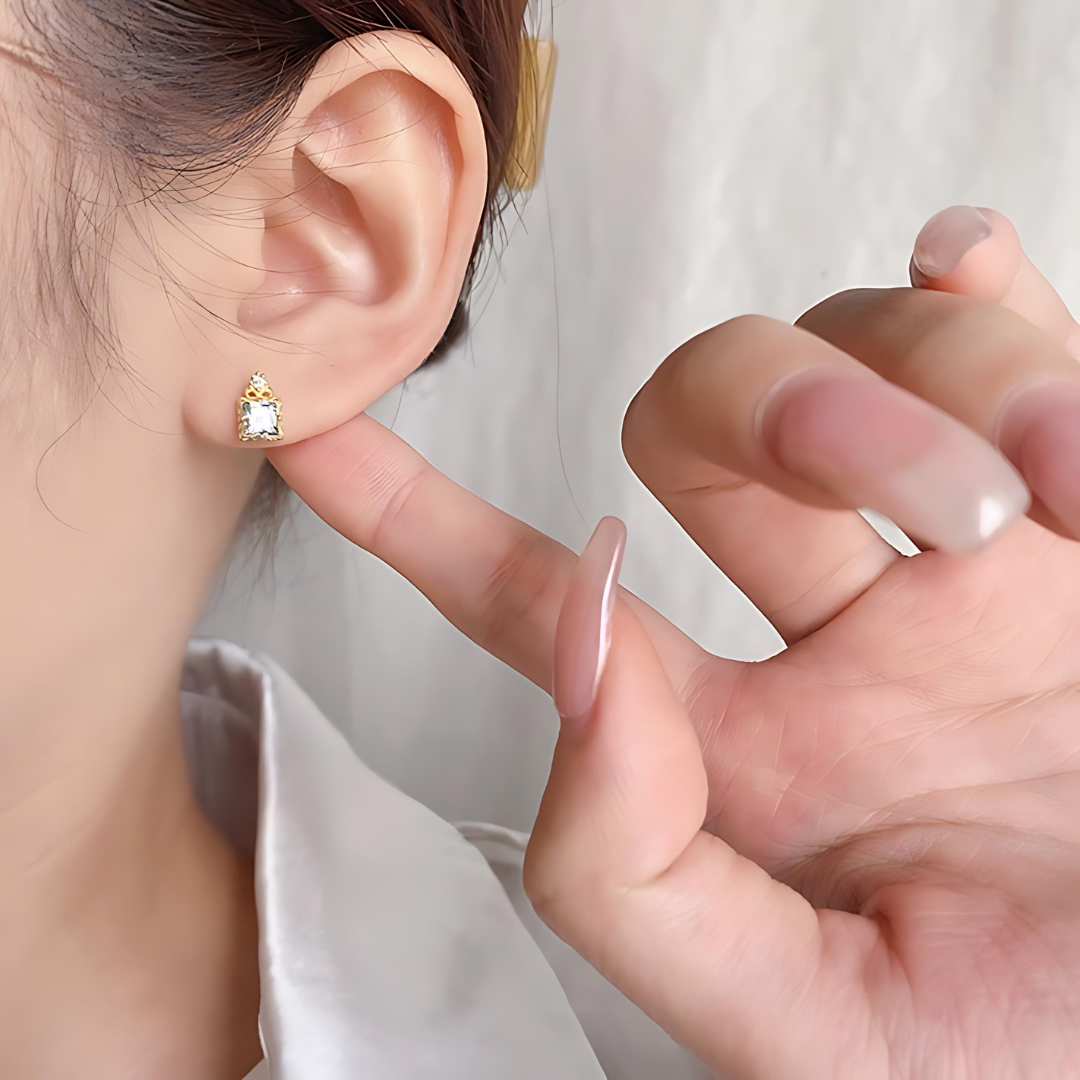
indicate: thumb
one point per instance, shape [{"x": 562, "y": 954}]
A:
[
  {"x": 730, "y": 962},
  {"x": 973, "y": 251}
]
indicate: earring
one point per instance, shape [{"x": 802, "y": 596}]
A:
[{"x": 258, "y": 412}]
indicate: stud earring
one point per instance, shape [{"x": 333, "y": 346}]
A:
[{"x": 258, "y": 412}]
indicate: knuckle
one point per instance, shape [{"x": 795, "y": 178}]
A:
[
  {"x": 546, "y": 888},
  {"x": 531, "y": 574},
  {"x": 1000, "y": 342},
  {"x": 918, "y": 337},
  {"x": 697, "y": 367},
  {"x": 889, "y": 309},
  {"x": 635, "y": 432},
  {"x": 726, "y": 345},
  {"x": 534, "y": 879},
  {"x": 727, "y": 349},
  {"x": 742, "y": 324},
  {"x": 849, "y": 300},
  {"x": 386, "y": 488}
]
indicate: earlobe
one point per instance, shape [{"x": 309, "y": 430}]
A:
[{"x": 373, "y": 195}]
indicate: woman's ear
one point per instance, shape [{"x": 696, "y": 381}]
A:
[{"x": 340, "y": 253}]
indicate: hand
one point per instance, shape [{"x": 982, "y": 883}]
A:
[{"x": 862, "y": 857}]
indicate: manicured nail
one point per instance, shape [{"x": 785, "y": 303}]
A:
[
  {"x": 947, "y": 237},
  {"x": 583, "y": 636},
  {"x": 877, "y": 447},
  {"x": 1039, "y": 432}
]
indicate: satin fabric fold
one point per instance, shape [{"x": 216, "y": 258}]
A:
[{"x": 388, "y": 948}]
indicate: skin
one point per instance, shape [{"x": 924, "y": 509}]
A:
[
  {"x": 857, "y": 859},
  {"x": 127, "y": 924}
]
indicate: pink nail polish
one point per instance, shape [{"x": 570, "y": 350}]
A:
[
  {"x": 878, "y": 447},
  {"x": 583, "y": 636},
  {"x": 1039, "y": 432},
  {"x": 946, "y": 238}
]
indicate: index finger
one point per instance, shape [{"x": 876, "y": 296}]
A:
[{"x": 495, "y": 578}]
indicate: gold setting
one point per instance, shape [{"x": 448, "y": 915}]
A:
[{"x": 258, "y": 412}]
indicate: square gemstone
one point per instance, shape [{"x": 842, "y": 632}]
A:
[{"x": 260, "y": 419}]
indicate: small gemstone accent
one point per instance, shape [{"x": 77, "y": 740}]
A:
[
  {"x": 258, "y": 382},
  {"x": 260, "y": 419}
]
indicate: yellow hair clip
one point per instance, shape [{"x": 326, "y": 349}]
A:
[{"x": 538, "y": 62}]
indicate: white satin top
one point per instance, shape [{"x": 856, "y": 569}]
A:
[{"x": 393, "y": 945}]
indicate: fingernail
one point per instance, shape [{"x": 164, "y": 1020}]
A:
[
  {"x": 1039, "y": 432},
  {"x": 947, "y": 237},
  {"x": 877, "y": 447},
  {"x": 583, "y": 635}
]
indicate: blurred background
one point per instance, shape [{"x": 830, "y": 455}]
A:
[{"x": 705, "y": 159}]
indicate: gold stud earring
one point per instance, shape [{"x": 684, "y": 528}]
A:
[{"x": 258, "y": 412}]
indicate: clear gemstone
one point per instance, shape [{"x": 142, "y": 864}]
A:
[
  {"x": 260, "y": 418},
  {"x": 258, "y": 382}
]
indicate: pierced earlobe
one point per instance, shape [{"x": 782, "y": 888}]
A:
[{"x": 258, "y": 412}]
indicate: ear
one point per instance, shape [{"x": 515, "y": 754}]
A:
[{"x": 348, "y": 240}]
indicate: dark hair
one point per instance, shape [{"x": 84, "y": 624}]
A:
[{"x": 188, "y": 87}]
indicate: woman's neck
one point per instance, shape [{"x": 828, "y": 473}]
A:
[{"x": 113, "y": 888}]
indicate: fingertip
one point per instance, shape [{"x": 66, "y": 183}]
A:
[
  {"x": 947, "y": 238},
  {"x": 967, "y": 250}
]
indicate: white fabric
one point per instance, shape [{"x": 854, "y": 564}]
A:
[
  {"x": 706, "y": 158},
  {"x": 388, "y": 947}
]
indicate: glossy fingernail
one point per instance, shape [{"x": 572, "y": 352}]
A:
[
  {"x": 583, "y": 635},
  {"x": 947, "y": 237},
  {"x": 877, "y": 447},
  {"x": 1039, "y": 432}
]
